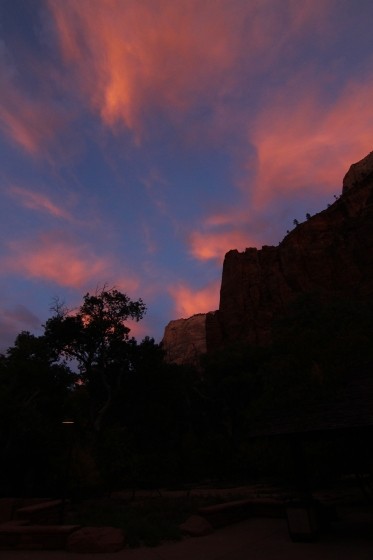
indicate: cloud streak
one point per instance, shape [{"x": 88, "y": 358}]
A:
[
  {"x": 128, "y": 56},
  {"x": 196, "y": 127},
  {"x": 189, "y": 301},
  {"x": 211, "y": 245},
  {"x": 39, "y": 202},
  {"x": 303, "y": 142},
  {"x": 13, "y": 320},
  {"x": 32, "y": 121},
  {"x": 55, "y": 258}
]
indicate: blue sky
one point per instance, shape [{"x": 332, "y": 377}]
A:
[{"x": 140, "y": 140}]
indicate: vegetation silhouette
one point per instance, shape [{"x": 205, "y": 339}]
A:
[
  {"x": 142, "y": 422},
  {"x": 97, "y": 337}
]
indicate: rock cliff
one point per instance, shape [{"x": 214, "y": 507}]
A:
[
  {"x": 359, "y": 172},
  {"x": 331, "y": 254},
  {"x": 185, "y": 340}
]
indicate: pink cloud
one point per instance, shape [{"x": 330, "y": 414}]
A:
[
  {"x": 188, "y": 301},
  {"x": 39, "y": 202},
  {"x": 56, "y": 258},
  {"x": 130, "y": 55},
  {"x": 138, "y": 330},
  {"x": 32, "y": 118},
  {"x": 123, "y": 57},
  {"x": 60, "y": 258},
  {"x": 31, "y": 122},
  {"x": 303, "y": 142},
  {"x": 207, "y": 245},
  {"x": 126, "y": 282},
  {"x": 13, "y": 320}
]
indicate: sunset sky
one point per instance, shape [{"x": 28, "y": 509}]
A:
[{"x": 140, "y": 140}]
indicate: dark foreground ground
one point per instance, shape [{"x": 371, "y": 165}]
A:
[{"x": 351, "y": 538}]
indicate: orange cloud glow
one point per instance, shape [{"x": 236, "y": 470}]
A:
[
  {"x": 171, "y": 54},
  {"x": 128, "y": 53},
  {"x": 138, "y": 330},
  {"x": 206, "y": 246},
  {"x": 188, "y": 301},
  {"x": 124, "y": 56},
  {"x": 58, "y": 259},
  {"x": 301, "y": 142}
]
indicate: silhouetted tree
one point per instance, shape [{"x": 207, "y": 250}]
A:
[
  {"x": 97, "y": 338},
  {"x": 34, "y": 390}
]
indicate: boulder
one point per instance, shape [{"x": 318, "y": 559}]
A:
[
  {"x": 20, "y": 536},
  {"x": 96, "y": 539},
  {"x": 196, "y": 526}
]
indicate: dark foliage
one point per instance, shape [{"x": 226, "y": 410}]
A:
[
  {"x": 140, "y": 422},
  {"x": 33, "y": 394},
  {"x": 97, "y": 337}
]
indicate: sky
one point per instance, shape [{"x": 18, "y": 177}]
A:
[{"x": 140, "y": 140}]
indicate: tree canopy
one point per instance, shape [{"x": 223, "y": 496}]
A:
[
  {"x": 140, "y": 420},
  {"x": 96, "y": 336}
]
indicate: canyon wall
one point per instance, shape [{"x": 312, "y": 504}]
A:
[{"x": 331, "y": 254}]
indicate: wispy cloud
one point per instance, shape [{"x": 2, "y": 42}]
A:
[
  {"x": 140, "y": 52},
  {"x": 138, "y": 330},
  {"x": 304, "y": 142},
  {"x": 33, "y": 118},
  {"x": 14, "y": 319},
  {"x": 189, "y": 301},
  {"x": 232, "y": 99},
  {"x": 39, "y": 202},
  {"x": 31, "y": 122},
  {"x": 55, "y": 258},
  {"x": 131, "y": 55},
  {"x": 207, "y": 245}
]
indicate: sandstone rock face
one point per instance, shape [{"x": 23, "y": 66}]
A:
[
  {"x": 358, "y": 172},
  {"x": 185, "y": 340},
  {"x": 331, "y": 254}
]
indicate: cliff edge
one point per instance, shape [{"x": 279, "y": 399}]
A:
[{"x": 330, "y": 254}]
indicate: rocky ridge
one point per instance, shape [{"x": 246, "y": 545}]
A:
[{"x": 331, "y": 254}]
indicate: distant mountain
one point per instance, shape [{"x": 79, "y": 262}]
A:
[{"x": 330, "y": 254}]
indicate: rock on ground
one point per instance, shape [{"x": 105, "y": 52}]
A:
[
  {"x": 196, "y": 526},
  {"x": 96, "y": 539}
]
